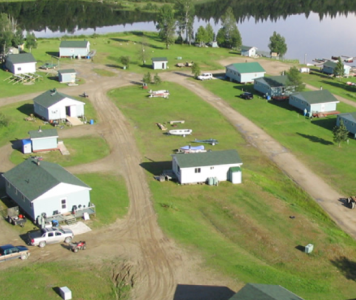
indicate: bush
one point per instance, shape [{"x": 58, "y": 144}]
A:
[
  {"x": 4, "y": 120},
  {"x": 157, "y": 79},
  {"x": 125, "y": 60}
]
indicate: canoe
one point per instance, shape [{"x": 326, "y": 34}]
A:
[
  {"x": 182, "y": 132},
  {"x": 201, "y": 147},
  {"x": 208, "y": 141}
]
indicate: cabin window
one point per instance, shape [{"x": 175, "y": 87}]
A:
[
  {"x": 16, "y": 191},
  {"x": 23, "y": 197},
  {"x": 178, "y": 168},
  {"x": 19, "y": 69},
  {"x": 64, "y": 205},
  {"x": 8, "y": 184},
  {"x": 31, "y": 204},
  {"x": 197, "y": 170},
  {"x": 211, "y": 168}
]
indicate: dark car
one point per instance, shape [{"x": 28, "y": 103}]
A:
[
  {"x": 247, "y": 96},
  {"x": 11, "y": 252}
]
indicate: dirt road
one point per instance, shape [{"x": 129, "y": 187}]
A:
[{"x": 158, "y": 264}]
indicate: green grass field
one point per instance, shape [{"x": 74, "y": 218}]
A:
[
  {"x": 311, "y": 141},
  {"x": 243, "y": 231}
]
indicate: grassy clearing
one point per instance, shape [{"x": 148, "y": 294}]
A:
[
  {"x": 19, "y": 128},
  {"x": 243, "y": 231},
  {"x": 87, "y": 279},
  {"x": 82, "y": 150},
  {"x": 311, "y": 141}
]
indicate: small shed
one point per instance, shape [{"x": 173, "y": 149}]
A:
[
  {"x": 349, "y": 120},
  {"x": 20, "y": 63},
  {"x": 26, "y": 146},
  {"x": 273, "y": 86},
  {"x": 199, "y": 167},
  {"x": 329, "y": 66},
  {"x": 13, "y": 50},
  {"x": 253, "y": 291},
  {"x": 67, "y": 76},
  {"x": 44, "y": 140},
  {"x": 244, "y": 72},
  {"x": 75, "y": 49},
  {"x": 53, "y": 105},
  {"x": 214, "y": 44},
  {"x": 45, "y": 188},
  {"x": 159, "y": 63},
  {"x": 248, "y": 51},
  {"x": 314, "y": 101}
]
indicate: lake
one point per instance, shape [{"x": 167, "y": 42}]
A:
[{"x": 308, "y": 34}]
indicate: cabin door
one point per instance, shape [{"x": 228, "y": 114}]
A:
[{"x": 322, "y": 107}]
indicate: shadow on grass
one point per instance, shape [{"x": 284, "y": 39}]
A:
[
  {"x": 346, "y": 267},
  {"x": 183, "y": 74},
  {"x": 300, "y": 248},
  {"x": 285, "y": 105},
  {"x": 26, "y": 109},
  {"x": 328, "y": 123},
  {"x": 53, "y": 54},
  {"x": 202, "y": 292},
  {"x": 136, "y": 82},
  {"x": 114, "y": 66},
  {"x": 156, "y": 168},
  {"x": 340, "y": 85},
  {"x": 16, "y": 144},
  {"x": 315, "y": 139}
]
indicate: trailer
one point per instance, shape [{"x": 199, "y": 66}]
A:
[
  {"x": 160, "y": 93},
  {"x": 351, "y": 201},
  {"x": 14, "y": 217}
]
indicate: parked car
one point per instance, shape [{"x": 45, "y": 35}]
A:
[
  {"x": 205, "y": 76},
  {"x": 49, "y": 236},
  {"x": 247, "y": 96},
  {"x": 8, "y": 252}
]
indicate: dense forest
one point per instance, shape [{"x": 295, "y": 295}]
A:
[{"x": 63, "y": 15}]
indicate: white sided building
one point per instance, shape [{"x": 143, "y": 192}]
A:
[
  {"x": 20, "y": 63},
  {"x": 200, "y": 167},
  {"x": 53, "y": 105}
]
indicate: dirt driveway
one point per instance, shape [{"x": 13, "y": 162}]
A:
[{"x": 158, "y": 263}]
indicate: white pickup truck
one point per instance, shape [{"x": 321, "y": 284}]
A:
[
  {"x": 205, "y": 76},
  {"x": 49, "y": 236}
]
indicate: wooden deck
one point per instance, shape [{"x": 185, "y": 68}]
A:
[
  {"x": 325, "y": 114},
  {"x": 68, "y": 217}
]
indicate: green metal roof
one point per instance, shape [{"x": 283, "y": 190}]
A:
[
  {"x": 67, "y": 71},
  {"x": 33, "y": 179},
  {"x": 159, "y": 59},
  {"x": 20, "y": 58},
  {"x": 252, "y": 291},
  {"x": 35, "y": 134},
  {"x": 247, "y": 67},
  {"x": 212, "y": 158},
  {"x": 47, "y": 99},
  {"x": 274, "y": 81},
  {"x": 313, "y": 97},
  {"x": 73, "y": 44},
  {"x": 348, "y": 116},
  {"x": 246, "y": 48},
  {"x": 330, "y": 64}
]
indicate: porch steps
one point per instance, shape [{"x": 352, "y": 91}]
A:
[
  {"x": 70, "y": 220},
  {"x": 74, "y": 121}
]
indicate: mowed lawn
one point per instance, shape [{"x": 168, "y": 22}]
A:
[
  {"x": 310, "y": 140},
  {"x": 243, "y": 231}
]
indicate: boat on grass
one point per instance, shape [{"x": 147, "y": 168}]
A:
[
  {"x": 208, "y": 141},
  {"x": 182, "y": 132},
  {"x": 192, "y": 149}
]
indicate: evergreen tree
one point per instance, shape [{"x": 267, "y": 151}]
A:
[
  {"x": 196, "y": 70},
  {"x": 229, "y": 36},
  {"x": 294, "y": 79},
  {"x": 18, "y": 38},
  {"x": 277, "y": 44},
  {"x": 30, "y": 41},
  {"x": 340, "y": 133},
  {"x": 147, "y": 78},
  {"x": 339, "y": 70},
  {"x": 166, "y": 24},
  {"x": 6, "y": 33},
  {"x": 157, "y": 79},
  {"x": 125, "y": 60}
]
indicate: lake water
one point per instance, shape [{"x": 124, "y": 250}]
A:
[{"x": 306, "y": 38}]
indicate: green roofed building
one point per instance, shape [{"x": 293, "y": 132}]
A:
[
  {"x": 45, "y": 188},
  {"x": 67, "y": 76},
  {"x": 244, "y": 72},
  {"x": 248, "y": 51},
  {"x": 53, "y": 105},
  {"x": 252, "y": 291},
  {"x": 75, "y": 49},
  {"x": 159, "y": 63},
  {"x": 44, "y": 140},
  {"x": 349, "y": 120},
  {"x": 273, "y": 86},
  {"x": 329, "y": 66},
  {"x": 22, "y": 63},
  {"x": 321, "y": 101},
  {"x": 199, "y": 167}
]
